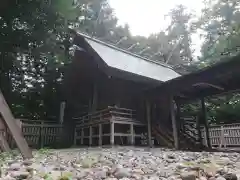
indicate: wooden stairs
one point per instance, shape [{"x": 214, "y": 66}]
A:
[{"x": 188, "y": 138}]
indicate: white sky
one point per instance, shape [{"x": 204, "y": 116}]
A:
[{"x": 147, "y": 16}]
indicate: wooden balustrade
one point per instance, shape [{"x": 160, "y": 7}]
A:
[
  {"x": 112, "y": 117},
  {"x": 105, "y": 115}
]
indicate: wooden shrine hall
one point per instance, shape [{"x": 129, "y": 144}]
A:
[
  {"x": 115, "y": 97},
  {"x": 103, "y": 91}
]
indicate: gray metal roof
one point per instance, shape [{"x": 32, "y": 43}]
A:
[{"x": 129, "y": 62}]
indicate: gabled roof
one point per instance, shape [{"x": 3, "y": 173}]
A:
[{"x": 125, "y": 61}]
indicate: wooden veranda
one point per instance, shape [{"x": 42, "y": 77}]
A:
[
  {"x": 212, "y": 81},
  {"x": 106, "y": 126}
]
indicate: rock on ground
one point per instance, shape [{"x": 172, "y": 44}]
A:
[{"x": 125, "y": 163}]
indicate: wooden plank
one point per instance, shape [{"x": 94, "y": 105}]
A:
[{"x": 14, "y": 128}]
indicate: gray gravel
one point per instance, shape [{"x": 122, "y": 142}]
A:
[{"x": 125, "y": 163}]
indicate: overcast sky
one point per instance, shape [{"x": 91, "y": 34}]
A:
[{"x": 147, "y": 16}]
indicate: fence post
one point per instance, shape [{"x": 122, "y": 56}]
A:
[
  {"x": 221, "y": 137},
  {"x": 42, "y": 134},
  {"x": 205, "y": 136}
]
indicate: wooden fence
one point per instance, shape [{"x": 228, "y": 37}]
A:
[
  {"x": 227, "y": 135},
  {"x": 38, "y": 134},
  {"x": 46, "y": 134}
]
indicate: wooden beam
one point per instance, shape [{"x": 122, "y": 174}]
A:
[
  {"x": 204, "y": 116},
  {"x": 100, "y": 135},
  {"x": 148, "y": 112},
  {"x": 174, "y": 123},
  {"x": 14, "y": 129}
]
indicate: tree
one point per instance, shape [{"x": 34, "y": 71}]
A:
[{"x": 31, "y": 32}]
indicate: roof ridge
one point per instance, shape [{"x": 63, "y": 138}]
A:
[{"x": 122, "y": 50}]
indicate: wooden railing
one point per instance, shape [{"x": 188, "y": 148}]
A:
[
  {"x": 227, "y": 135},
  {"x": 38, "y": 133},
  {"x": 107, "y": 114},
  {"x": 220, "y": 135},
  {"x": 190, "y": 130}
]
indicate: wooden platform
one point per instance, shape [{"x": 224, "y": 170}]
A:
[{"x": 104, "y": 123}]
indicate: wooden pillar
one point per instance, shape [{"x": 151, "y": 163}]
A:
[
  {"x": 199, "y": 131},
  {"x": 178, "y": 117},
  {"x": 132, "y": 134},
  {"x": 148, "y": 112},
  {"x": 90, "y": 135},
  {"x": 62, "y": 110},
  {"x": 112, "y": 133},
  {"x": 174, "y": 123},
  {"x": 82, "y": 136},
  {"x": 204, "y": 116},
  {"x": 100, "y": 135}
]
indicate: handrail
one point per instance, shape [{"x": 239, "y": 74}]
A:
[
  {"x": 189, "y": 130},
  {"x": 189, "y": 135},
  {"x": 125, "y": 109},
  {"x": 106, "y": 114}
]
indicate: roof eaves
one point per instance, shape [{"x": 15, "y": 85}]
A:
[{"x": 122, "y": 50}]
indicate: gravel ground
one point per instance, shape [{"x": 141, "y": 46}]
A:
[{"x": 125, "y": 163}]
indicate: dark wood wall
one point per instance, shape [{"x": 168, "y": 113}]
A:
[{"x": 83, "y": 75}]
